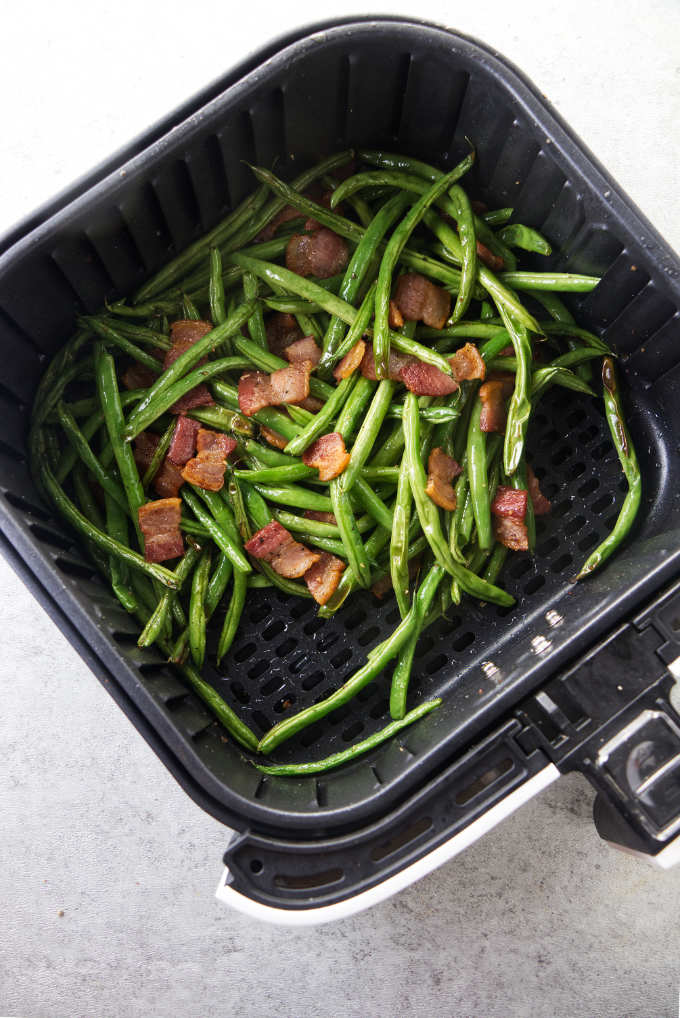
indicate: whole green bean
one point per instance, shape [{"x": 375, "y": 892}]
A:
[
  {"x": 355, "y": 553},
  {"x": 368, "y": 432},
  {"x": 197, "y": 612},
  {"x": 300, "y": 498},
  {"x": 321, "y": 422},
  {"x": 218, "y": 312},
  {"x": 234, "y": 612},
  {"x": 278, "y": 474},
  {"x": 563, "y": 282},
  {"x": 526, "y": 238},
  {"x": 226, "y": 393},
  {"x": 401, "y": 518},
  {"x": 159, "y": 454},
  {"x": 468, "y": 243},
  {"x": 86, "y": 455},
  {"x": 219, "y": 523},
  {"x": 160, "y": 617},
  {"x": 477, "y": 471},
  {"x": 107, "y": 333}
]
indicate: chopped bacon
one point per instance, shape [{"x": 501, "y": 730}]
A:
[
  {"x": 328, "y": 454},
  {"x": 254, "y": 392},
  {"x": 540, "y": 503},
  {"x": 321, "y": 253},
  {"x": 312, "y": 404},
  {"x": 196, "y": 397},
  {"x": 168, "y": 480},
  {"x": 291, "y": 384},
  {"x": 512, "y": 532},
  {"x": 273, "y": 437},
  {"x": 286, "y": 556},
  {"x": 138, "y": 376},
  {"x": 509, "y": 502},
  {"x": 159, "y": 523},
  {"x": 184, "y": 334},
  {"x": 320, "y": 516},
  {"x": 441, "y": 470},
  {"x": 426, "y": 379},
  {"x": 284, "y": 216},
  {"x": 303, "y": 351},
  {"x": 183, "y": 440},
  {"x": 493, "y": 414},
  {"x": 282, "y": 330},
  {"x": 144, "y": 448},
  {"x": 351, "y": 361},
  {"x": 324, "y": 576},
  {"x": 418, "y": 299},
  {"x": 491, "y": 260},
  {"x": 206, "y": 469},
  {"x": 396, "y": 319},
  {"x": 397, "y": 362},
  {"x": 467, "y": 364}
]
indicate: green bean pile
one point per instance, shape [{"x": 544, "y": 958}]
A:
[{"x": 399, "y": 215}]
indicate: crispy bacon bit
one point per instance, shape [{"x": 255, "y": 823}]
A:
[
  {"x": 540, "y": 503},
  {"x": 273, "y": 437},
  {"x": 509, "y": 502},
  {"x": 491, "y": 260},
  {"x": 426, "y": 379},
  {"x": 328, "y": 454},
  {"x": 396, "y": 319},
  {"x": 159, "y": 523},
  {"x": 321, "y": 253},
  {"x": 467, "y": 364},
  {"x": 282, "y": 330},
  {"x": 418, "y": 299},
  {"x": 303, "y": 351},
  {"x": 196, "y": 397},
  {"x": 286, "y": 556},
  {"x": 441, "y": 471},
  {"x": 324, "y": 576},
  {"x": 511, "y": 532},
  {"x": 320, "y": 516},
  {"x": 206, "y": 469},
  {"x": 291, "y": 384},
  {"x": 138, "y": 376},
  {"x": 312, "y": 404},
  {"x": 351, "y": 361},
  {"x": 183, "y": 441},
  {"x": 396, "y": 364},
  {"x": 254, "y": 392},
  {"x": 184, "y": 334},
  {"x": 493, "y": 395},
  {"x": 168, "y": 480}
]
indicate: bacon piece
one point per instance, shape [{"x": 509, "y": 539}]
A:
[
  {"x": 273, "y": 437},
  {"x": 493, "y": 394},
  {"x": 144, "y": 448},
  {"x": 324, "y": 576},
  {"x": 183, "y": 334},
  {"x": 491, "y": 260},
  {"x": 207, "y": 468},
  {"x": 320, "y": 516},
  {"x": 138, "y": 376},
  {"x": 321, "y": 253},
  {"x": 159, "y": 523},
  {"x": 191, "y": 400},
  {"x": 395, "y": 319},
  {"x": 284, "y": 216},
  {"x": 467, "y": 364},
  {"x": 254, "y": 392},
  {"x": 396, "y": 364},
  {"x": 426, "y": 379},
  {"x": 478, "y": 206},
  {"x": 328, "y": 455},
  {"x": 291, "y": 384},
  {"x": 286, "y": 556},
  {"x": 351, "y": 361},
  {"x": 168, "y": 480},
  {"x": 312, "y": 404},
  {"x": 441, "y": 470},
  {"x": 183, "y": 440},
  {"x": 418, "y": 299},
  {"x": 509, "y": 502},
  {"x": 282, "y": 330},
  {"x": 512, "y": 532},
  {"x": 540, "y": 503},
  {"x": 303, "y": 351}
]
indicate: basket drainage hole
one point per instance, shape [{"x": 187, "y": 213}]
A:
[
  {"x": 561, "y": 563},
  {"x": 311, "y": 681},
  {"x": 602, "y": 503},
  {"x": 589, "y": 487},
  {"x": 260, "y": 613},
  {"x": 400, "y": 840},
  {"x": 463, "y": 641},
  {"x": 574, "y": 525},
  {"x": 256, "y": 865},
  {"x": 243, "y": 653},
  {"x": 240, "y": 693},
  {"x": 273, "y": 629},
  {"x": 271, "y": 686},
  {"x": 284, "y": 704},
  {"x": 368, "y": 636},
  {"x": 588, "y": 541},
  {"x": 341, "y": 658},
  {"x": 435, "y": 664},
  {"x": 285, "y": 648},
  {"x": 533, "y": 585},
  {"x": 259, "y": 668}
]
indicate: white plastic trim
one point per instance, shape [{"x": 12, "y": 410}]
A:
[{"x": 392, "y": 885}]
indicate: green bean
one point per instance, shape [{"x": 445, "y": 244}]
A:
[
  {"x": 109, "y": 335},
  {"x": 388, "y": 475},
  {"x": 147, "y": 310},
  {"x": 354, "y": 407},
  {"x": 354, "y": 550},
  {"x": 83, "y": 493},
  {"x": 563, "y": 282},
  {"x": 526, "y": 238},
  {"x": 268, "y": 416},
  {"x": 497, "y": 217},
  {"x": 219, "y": 523},
  {"x": 372, "y": 503},
  {"x": 468, "y": 243},
  {"x": 380, "y": 656},
  {"x": 233, "y": 616},
  {"x": 140, "y": 333},
  {"x": 82, "y": 449},
  {"x": 160, "y": 617},
  {"x": 277, "y": 475},
  {"x": 568, "y": 329},
  {"x": 520, "y": 401},
  {"x": 495, "y": 563},
  {"x": 352, "y": 752},
  {"x": 395, "y": 245},
  {"x": 112, "y": 547},
  {"x": 321, "y": 421},
  {"x": 629, "y": 463},
  {"x": 159, "y": 454},
  {"x": 186, "y": 361},
  {"x": 355, "y": 331},
  {"x": 290, "y": 495},
  {"x": 117, "y": 528},
  {"x": 256, "y": 327},
  {"x": 218, "y": 311},
  {"x": 277, "y": 275},
  {"x": 456, "y": 527},
  {"x": 542, "y": 378},
  {"x": 368, "y": 432},
  {"x": 231, "y": 721},
  {"x": 428, "y": 514},
  {"x": 477, "y": 471},
  {"x": 197, "y": 613},
  {"x": 401, "y": 517},
  {"x": 189, "y": 309}
]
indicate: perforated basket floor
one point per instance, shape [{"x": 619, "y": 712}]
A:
[{"x": 422, "y": 90}]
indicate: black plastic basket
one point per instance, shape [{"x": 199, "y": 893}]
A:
[{"x": 315, "y": 842}]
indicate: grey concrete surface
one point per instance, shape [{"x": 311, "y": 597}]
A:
[{"x": 108, "y": 869}]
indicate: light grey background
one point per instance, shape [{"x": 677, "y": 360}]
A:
[{"x": 540, "y": 919}]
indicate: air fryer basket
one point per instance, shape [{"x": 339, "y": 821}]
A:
[{"x": 423, "y": 90}]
